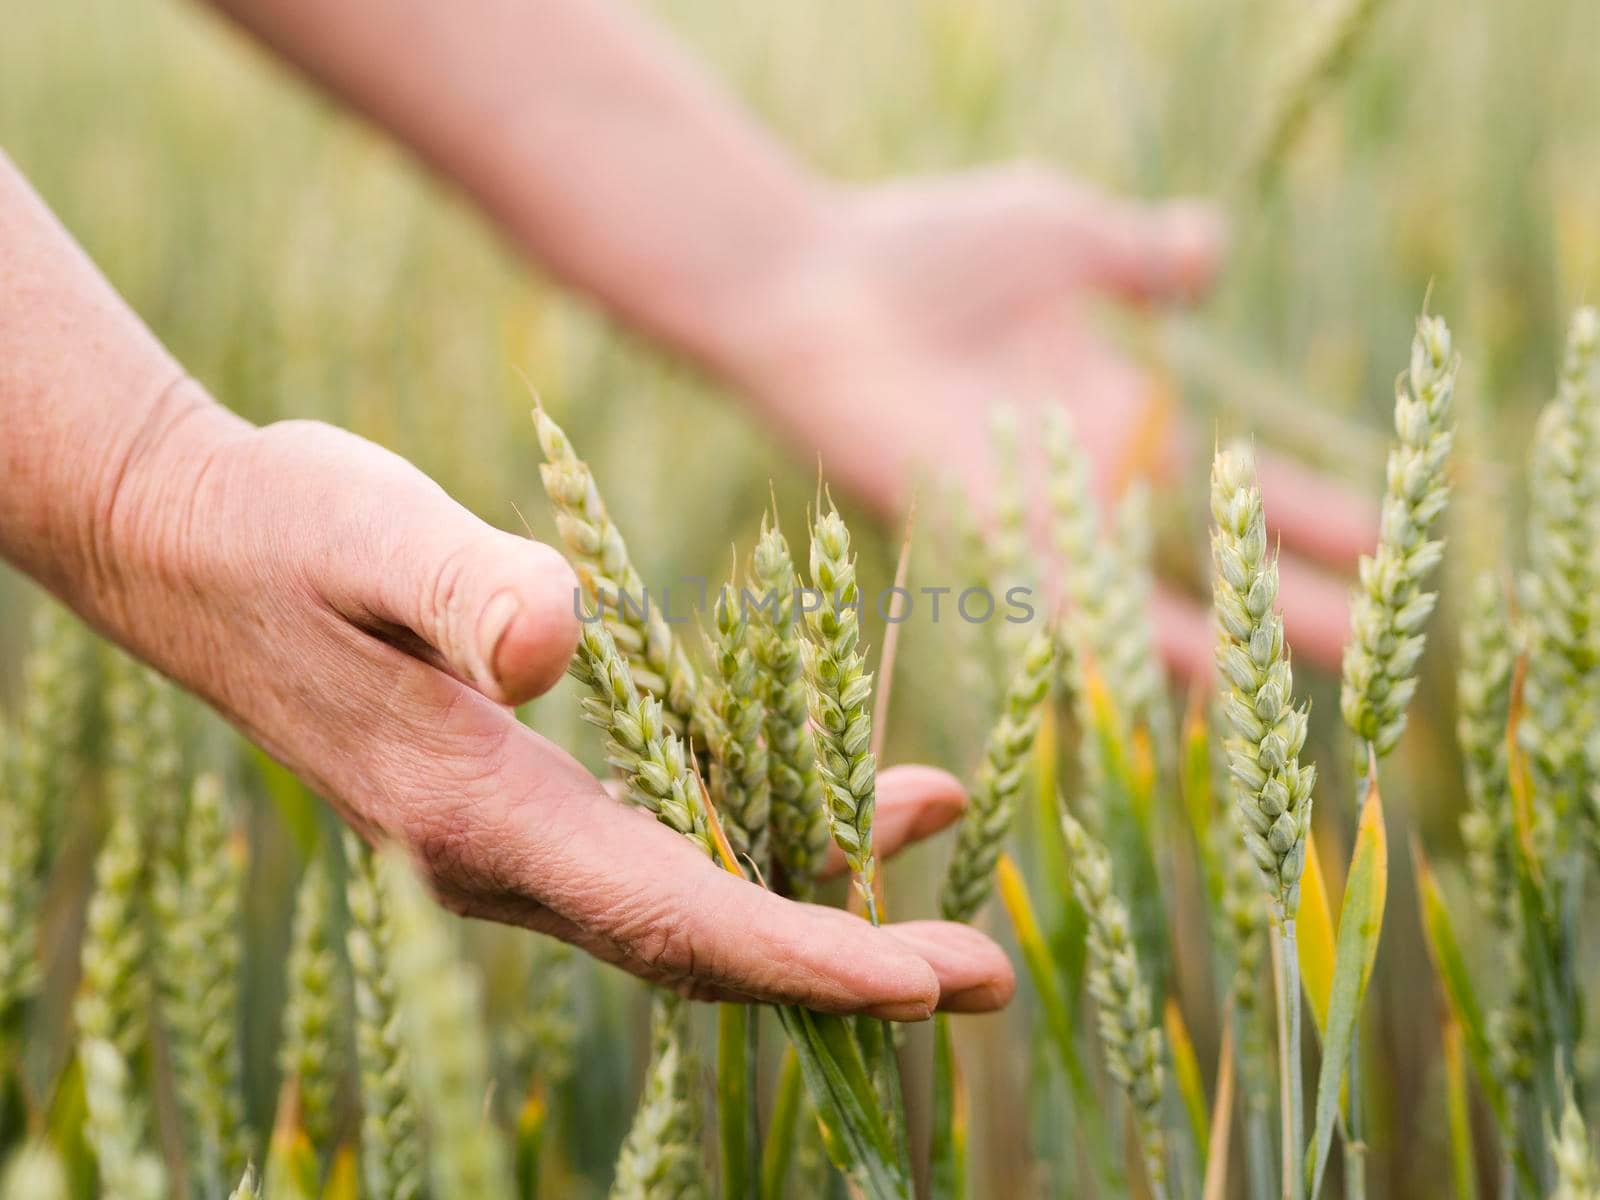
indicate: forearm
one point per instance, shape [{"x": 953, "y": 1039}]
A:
[
  {"x": 87, "y": 394},
  {"x": 587, "y": 136}
]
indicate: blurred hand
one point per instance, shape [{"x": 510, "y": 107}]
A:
[
  {"x": 369, "y": 632},
  {"x": 924, "y": 303}
]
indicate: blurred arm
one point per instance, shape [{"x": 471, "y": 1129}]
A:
[{"x": 590, "y": 138}]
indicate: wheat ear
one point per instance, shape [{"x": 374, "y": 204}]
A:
[
  {"x": 1129, "y": 1033},
  {"x": 1562, "y": 585},
  {"x": 595, "y": 545},
  {"x": 839, "y": 695},
  {"x": 249, "y": 1187},
  {"x": 198, "y": 903},
  {"x": 799, "y": 825},
  {"x": 1000, "y": 778},
  {"x": 115, "y": 1126},
  {"x": 652, "y": 760},
  {"x": 739, "y": 766},
  {"x": 660, "y": 1157},
  {"x": 311, "y": 1049},
  {"x": 649, "y": 756},
  {"x": 39, "y": 769},
  {"x": 1577, "y": 1176},
  {"x": 1272, "y": 790},
  {"x": 35, "y": 1172},
  {"x": 1390, "y": 607},
  {"x": 1483, "y": 707},
  {"x": 440, "y": 1003},
  {"x": 391, "y": 1151}
]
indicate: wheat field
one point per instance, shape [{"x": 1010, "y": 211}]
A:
[{"x": 300, "y": 266}]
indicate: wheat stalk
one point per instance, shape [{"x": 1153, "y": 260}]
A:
[
  {"x": 600, "y": 555},
  {"x": 1131, "y": 1036},
  {"x": 440, "y": 1004},
  {"x": 1272, "y": 790},
  {"x": 1330, "y": 47},
  {"x": 198, "y": 906},
  {"x": 739, "y": 767},
  {"x": 1000, "y": 778},
  {"x": 839, "y": 692},
  {"x": 1388, "y": 610},
  {"x": 311, "y": 1049},
  {"x": 1009, "y": 548},
  {"x": 1133, "y": 660},
  {"x": 799, "y": 824},
  {"x": 391, "y": 1151}
]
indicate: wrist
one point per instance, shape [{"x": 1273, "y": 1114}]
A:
[{"x": 123, "y": 527}]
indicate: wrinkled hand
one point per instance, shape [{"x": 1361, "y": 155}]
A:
[
  {"x": 925, "y": 303},
  {"x": 369, "y": 632}
]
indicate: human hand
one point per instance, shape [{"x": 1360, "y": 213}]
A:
[
  {"x": 369, "y": 632},
  {"x": 922, "y": 304}
]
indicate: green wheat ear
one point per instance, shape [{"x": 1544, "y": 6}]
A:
[
  {"x": 1000, "y": 779},
  {"x": 1272, "y": 789},
  {"x": 1483, "y": 705},
  {"x": 391, "y": 1150},
  {"x": 1561, "y": 588},
  {"x": 1134, "y": 1046},
  {"x": 1390, "y": 607},
  {"x": 441, "y": 1012},
  {"x": 197, "y": 902},
  {"x": 1577, "y": 1176},
  {"x": 115, "y": 1126},
  {"x": 839, "y": 694},
  {"x": 799, "y": 825},
  {"x": 661, "y": 1154},
  {"x": 39, "y": 769},
  {"x": 598, "y": 553},
  {"x": 735, "y": 719},
  {"x": 312, "y": 1047},
  {"x": 249, "y": 1185},
  {"x": 35, "y": 1172}
]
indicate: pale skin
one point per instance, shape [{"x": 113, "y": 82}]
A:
[{"x": 346, "y": 614}]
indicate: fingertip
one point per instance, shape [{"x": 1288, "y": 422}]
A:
[
  {"x": 932, "y": 798},
  {"x": 1196, "y": 238},
  {"x": 973, "y": 972},
  {"x": 529, "y": 629}
]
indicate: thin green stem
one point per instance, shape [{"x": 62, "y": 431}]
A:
[
  {"x": 1258, "y": 1139},
  {"x": 1289, "y": 1072},
  {"x": 1355, "y": 1147}
]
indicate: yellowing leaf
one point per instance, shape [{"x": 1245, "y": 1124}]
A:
[
  {"x": 1314, "y": 931},
  {"x": 1186, "y": 1071},
  {"x": 1360, "y": 925}
]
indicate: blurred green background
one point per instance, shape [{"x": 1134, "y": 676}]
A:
[{"x": 301, "y": 266}]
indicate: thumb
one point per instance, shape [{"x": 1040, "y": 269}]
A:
[
  {"x": 399, "y": 556},
  {"x": 1145, "y": 253}
]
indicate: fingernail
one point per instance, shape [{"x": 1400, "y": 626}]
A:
[
  {"x": 985, "y": 997},
  {"x": 901, "y": 1010},
  {"x": 496, "y": 620}
]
